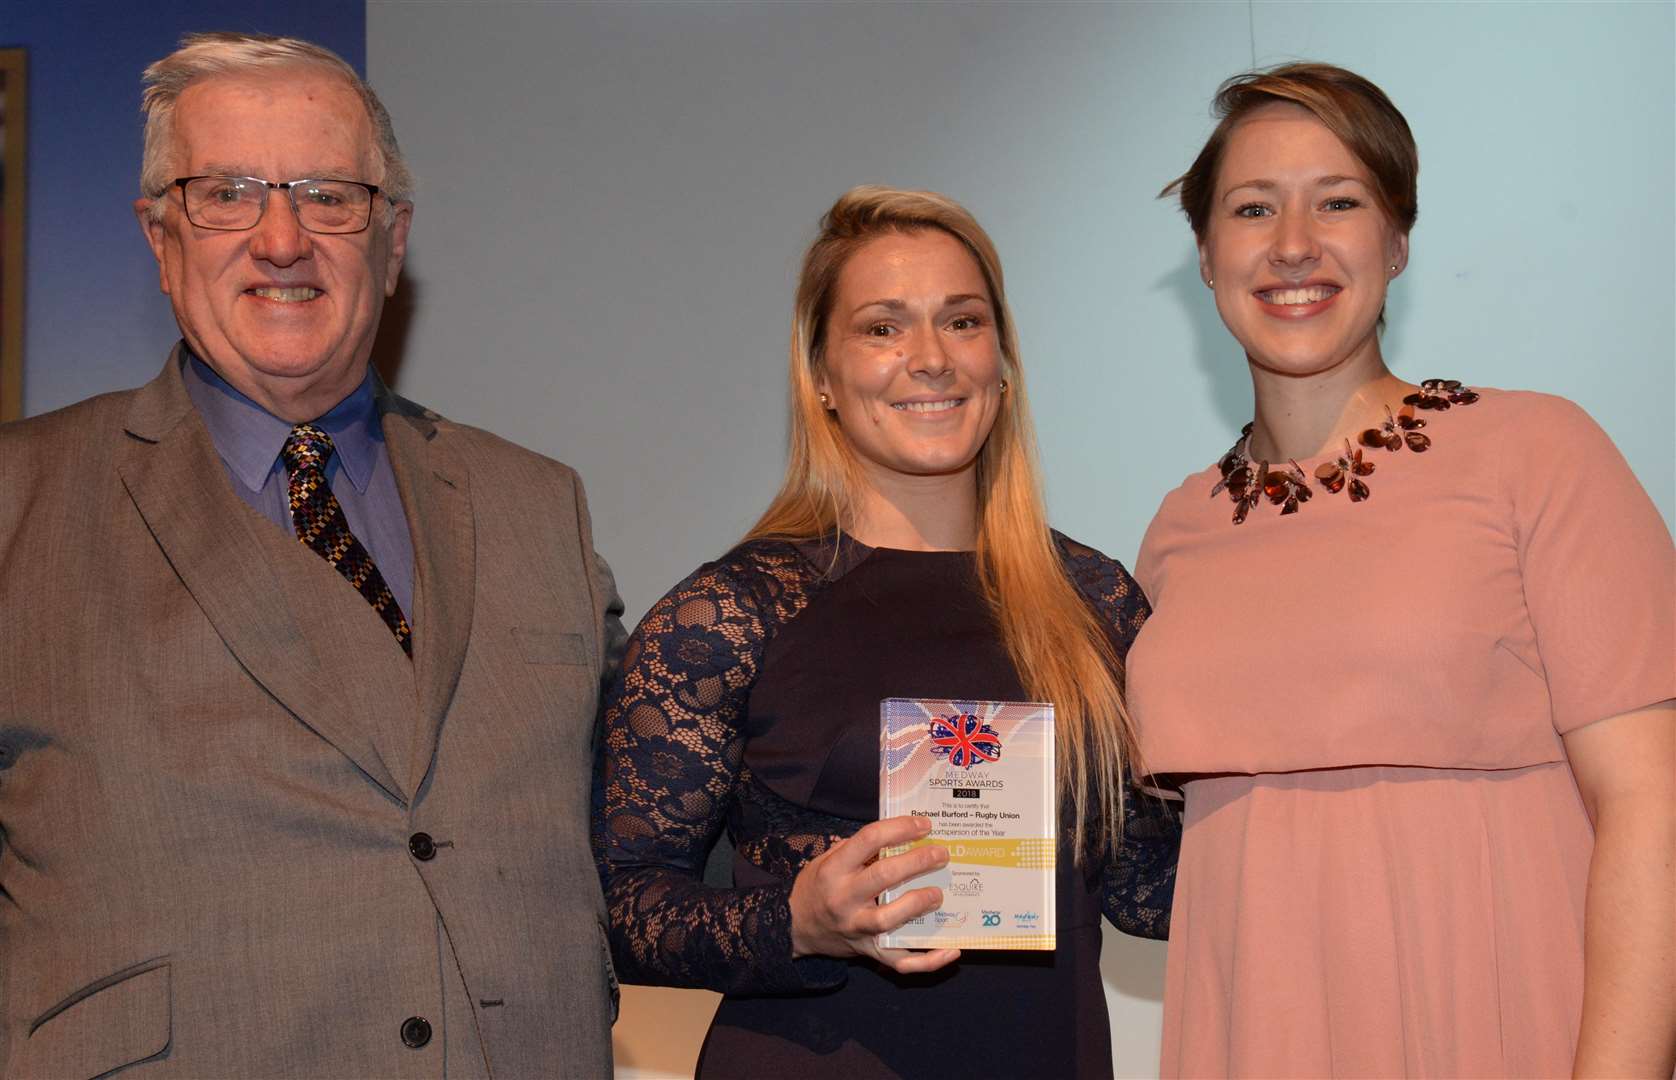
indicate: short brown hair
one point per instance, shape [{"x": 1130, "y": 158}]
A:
[{"x": 1351, "y": 107}]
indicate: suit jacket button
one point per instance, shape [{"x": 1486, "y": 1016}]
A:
[
  {"x": 416, "y": 1031},
  {"x": 422, "y": 847}
]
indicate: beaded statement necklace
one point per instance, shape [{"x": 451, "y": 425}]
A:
[{"x": 1249, "y": 482}]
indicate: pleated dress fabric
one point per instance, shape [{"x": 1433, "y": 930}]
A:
[{"x": 1385, "y": 855}]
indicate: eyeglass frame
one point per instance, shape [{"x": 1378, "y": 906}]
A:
[{"x": 287, "y": 186}]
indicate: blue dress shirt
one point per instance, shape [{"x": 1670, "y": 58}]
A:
[{"x": 249, "y": 438}]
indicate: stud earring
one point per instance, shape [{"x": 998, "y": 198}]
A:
[
  {"x": 1210, "y": 283},
  {"x": 1393, "y": 268},
  {"x": 826, "y": 402},
  {"x": 1003, "y": 386}
]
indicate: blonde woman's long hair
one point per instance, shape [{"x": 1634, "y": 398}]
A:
[{"x": 1055, "y": 640}]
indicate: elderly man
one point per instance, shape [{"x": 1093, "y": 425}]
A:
[{"x": 298, "y": 683}]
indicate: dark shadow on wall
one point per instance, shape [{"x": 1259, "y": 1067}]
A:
[
  {"x": 390, "y": 347},
  {"x": 1215, "y": 352}
]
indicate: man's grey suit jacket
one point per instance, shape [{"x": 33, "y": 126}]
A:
[{"x": 214, "y": 756}]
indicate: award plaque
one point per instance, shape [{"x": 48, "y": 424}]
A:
[{"x": 982, "y": 771}]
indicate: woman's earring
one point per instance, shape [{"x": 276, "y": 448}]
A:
[
  {"x": 1003, "y": 386},
  {"x": 826, "y": 402},
  {"x": 1210, "y": 283}
]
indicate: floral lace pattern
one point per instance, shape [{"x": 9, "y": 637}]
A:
[
  {"x": 673, "y": 752},
  {"x": 778, "y": 836},
  {"x": 1137, "y": 886},
  {"x": 673, "y": 774}
]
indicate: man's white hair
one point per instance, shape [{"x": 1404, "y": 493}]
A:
[{"x": 223, "y": 53}]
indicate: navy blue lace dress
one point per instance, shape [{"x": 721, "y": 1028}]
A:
[{"x": 748, "y": 699}]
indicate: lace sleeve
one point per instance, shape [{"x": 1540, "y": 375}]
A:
[
  {"x": 673, "y": 745},
  {"x": 1109, "y": 589},
  {"x": 1138, "y": 883}
]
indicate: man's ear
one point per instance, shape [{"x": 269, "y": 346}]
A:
[
  {"x": 397, "y": 255},
  {"x": 156, "y": 236}
]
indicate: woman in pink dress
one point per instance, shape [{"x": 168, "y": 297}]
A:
[{"x": 1411, "y": 665}]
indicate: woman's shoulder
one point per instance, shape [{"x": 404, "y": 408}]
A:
[
  {"x": 1075, "y": 553},
  {"x": 1098, "y": 576},
  {"x": 770, "y": 578},
  {"x": 1185, "y": 510},
  {"x": 746, "y": 567},
  {"x": 760, "y": 556},
  {"x": 736, "y": 601},
  {"x": 1193, "y": 490},
  {"x": 1544, "y": 433},
  {"x": 1533, "y": 411}
]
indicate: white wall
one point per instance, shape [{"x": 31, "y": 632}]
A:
[{"x": 614, "y": 198}]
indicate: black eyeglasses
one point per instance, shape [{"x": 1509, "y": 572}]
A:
[{"x": 233, "y": 203}]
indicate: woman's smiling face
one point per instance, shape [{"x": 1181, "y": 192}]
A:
[
  {"x": 911, "y": 362},
  {"x": 1297, "y": 247}
]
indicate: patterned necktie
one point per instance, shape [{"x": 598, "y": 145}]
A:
[{"x": 321, "y": 526}]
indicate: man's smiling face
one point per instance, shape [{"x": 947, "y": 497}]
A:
[{"x": 285, "y": 315}]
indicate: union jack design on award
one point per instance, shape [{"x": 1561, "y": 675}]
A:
[{"x": 964, "y": 740}]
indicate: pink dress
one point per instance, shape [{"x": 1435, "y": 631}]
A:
[{"x": 1385, "y": 855}]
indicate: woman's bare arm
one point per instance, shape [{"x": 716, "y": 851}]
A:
[{"x": 1626, "y": 771}]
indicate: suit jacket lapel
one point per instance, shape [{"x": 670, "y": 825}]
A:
[
  {"x": 436, "y": 495},
  {"x": 175, "y": 478}
]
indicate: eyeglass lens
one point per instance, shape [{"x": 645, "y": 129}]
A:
[{"x": 234, "y": 202}]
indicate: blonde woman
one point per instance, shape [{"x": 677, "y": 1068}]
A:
[{"x": 907, "y": 554}]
